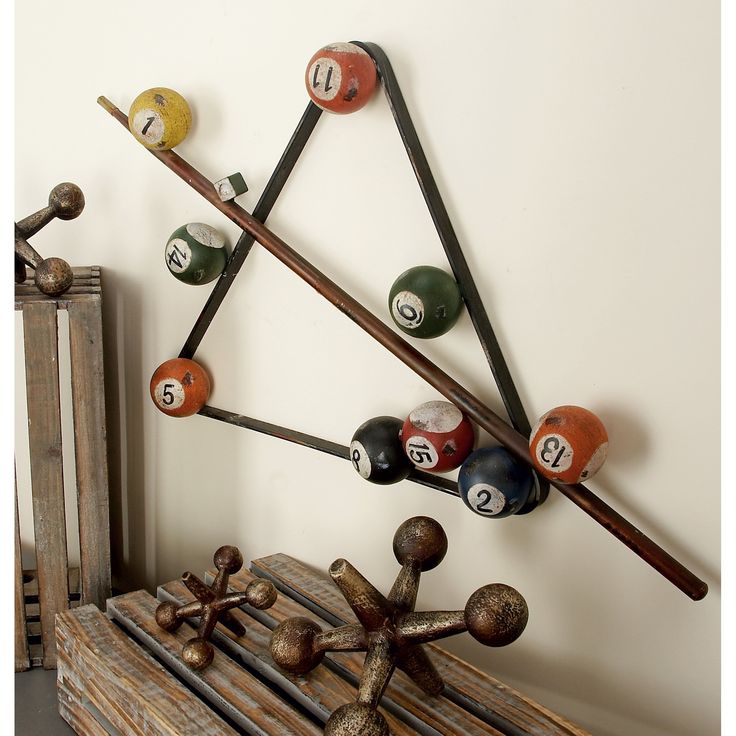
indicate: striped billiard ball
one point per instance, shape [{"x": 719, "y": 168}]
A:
[
  {"x": 437, "y": 436},
  {"x": 569, "y": 444},
  {"x": 341, "y": 78},
  {"x": 196, "y": 253}
]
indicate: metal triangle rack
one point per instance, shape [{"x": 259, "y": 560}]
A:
[{"x": 514, "y": 438}]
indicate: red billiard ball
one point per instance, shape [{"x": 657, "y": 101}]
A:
[
  {"x": 569, "y": 444},
  {"x": 437, "y": 436},
  {"x": 341, "y": 78},
  {"x": 180, "y": 387}
]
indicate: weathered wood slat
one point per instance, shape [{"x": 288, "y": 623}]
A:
[
  {"x": 26, "y": 290},
  {"x": 233, "y": 690},
  {"x": 30, "y": 585},
  {"x": 102, "y": 671},
  {"x": 80, "y": 272},
  {"x": 484, "y": 696},
  {"x": 61, "y": 302},
  {"x": 86, "y": 284},
  {"x": 320, "y": 692},
  {"x": 22, "y": 656},
  {"x": 79, "y": 281},
  {"x": 47, "y": 479},
  {"x": 402, "y": 697},
  {"x": 90, "y": 449},
  {"x": 77, "y": 716}
]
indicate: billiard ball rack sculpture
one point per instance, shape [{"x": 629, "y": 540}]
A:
[
  {"x": 455, "y": 256},
  {"x": 212, "y": 605},
  {"x": 52, "y": 276},
  {"x": 516, "y": 438},
  {"x": 391, "y": 632}
]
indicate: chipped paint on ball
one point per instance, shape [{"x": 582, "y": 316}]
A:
[
  {"x": 341, "y": 78},
  {"x": 206, "y": 235},
  {"x": 421, "y": 451},
  {"x": 178, "y": 255},
  {"x": 568, "y": 429},
  {"x": 325, "y": 77},
  {"x": 595, "y": 462},
  {"x": 196, "y": 253},
  {"x": 436, "y": 416},
  {"x": 148, "y": 126},
  {"x": 169, "y": 394},
  {"x": 360, "y": 460},
  {"x": 180, "y": 387},
  {"x": 485, "y": 499},
  {"x": 160, "y": 118},
  {"x": 408, "y": 310},
  {"x": 554, "y": 452}
]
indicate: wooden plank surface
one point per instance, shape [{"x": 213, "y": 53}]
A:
[
  {"x": 320, "y": 692},
  {"x": 33, "y": 610},
  {"x": 22, "y": 656},
  {"x": 90, "y": 449},
  {"x": 79, "y": 717},
  {"x": 402, "y": 698},
  {"x": 237, "y": 693},
  {"x": 484, "y": 696},
  {"x": 47, "y": 478},
  {"x": 86, "y": 284},
  {"x": 122, "y": 688}
]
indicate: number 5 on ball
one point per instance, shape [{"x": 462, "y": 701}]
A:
[{"x": 180, "y": 387}]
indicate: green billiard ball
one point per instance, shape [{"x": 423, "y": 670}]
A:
[
  {"x": 196, "y": 253},
  {"x": 425, "y": 302}
]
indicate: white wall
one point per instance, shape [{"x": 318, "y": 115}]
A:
[{"x": 576, "y": 145}]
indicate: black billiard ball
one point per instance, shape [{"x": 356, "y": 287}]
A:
[{"x": 376, "y": 451}]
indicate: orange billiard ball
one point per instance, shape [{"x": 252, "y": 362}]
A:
[
  {"x": 180, "y": 387},
  {"x": 569, "y": 444},
  {"x": 341, "y": 78}
]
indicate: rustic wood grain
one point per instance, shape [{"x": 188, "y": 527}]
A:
[
  {"x": 86, "y": 284},
  {"x": 484, "y": 696},
  {"x": 30, "y": 587},
  {"x": 47, "y": 478},
  {"x": 77, "y": 715},
  {"x": 101, "y": 671},
  {"x": 22, "y": 656},
  {"x": 90, "y": 448},
  {"x": 243, "y": 698},
  {"x": 403, "y": 698},
  {"x": 320, "y": 692}
]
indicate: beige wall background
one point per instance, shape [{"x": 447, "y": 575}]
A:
[{"x": 576, "y": 145}]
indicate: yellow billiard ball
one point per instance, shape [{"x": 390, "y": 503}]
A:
[{"x": 160, "y": 118}]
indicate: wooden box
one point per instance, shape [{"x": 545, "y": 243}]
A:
[
  {"x": 125, "y": 675},
  {"x": 52, "y": 587}
]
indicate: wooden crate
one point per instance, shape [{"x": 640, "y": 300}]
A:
[
  {"x": 125, "y": 675},
  {"x": 50, "y": 591}
]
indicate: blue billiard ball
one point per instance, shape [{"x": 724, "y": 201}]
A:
[{"x": 494, "y": 483}]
